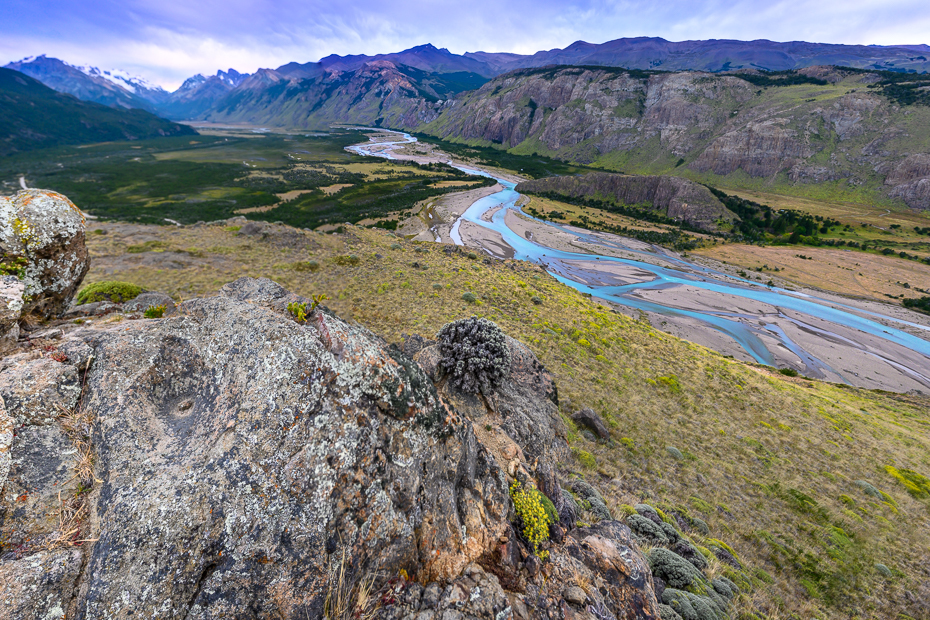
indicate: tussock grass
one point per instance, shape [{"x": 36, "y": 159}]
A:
[{"x": 767, "y": 457}]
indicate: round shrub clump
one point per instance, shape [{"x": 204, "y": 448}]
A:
[
  {"x": 676, "y": 571},
  {"x": 474, "y": 355},
  {"x": 109, "y": 290},
  {"x": 646, "y": 529}
]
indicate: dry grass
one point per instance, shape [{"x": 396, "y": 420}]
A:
[
  {"x": 72, "y": 509},
  {"x": 350, "y": 600},
  {"x": 841, "y": 271},
  {"x": 771, "y": 462}
]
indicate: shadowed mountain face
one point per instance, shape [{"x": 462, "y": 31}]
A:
[
  {"x": 34, "y": 116},
  {"x": 377, "y": 93}
]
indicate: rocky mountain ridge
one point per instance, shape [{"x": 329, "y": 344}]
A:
[{"x": 831, "y": 130}]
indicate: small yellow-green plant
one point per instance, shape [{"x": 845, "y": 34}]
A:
[
  {"x": 13, "y": 266},
  {"x": 531, "y": 516},
  {"x": 317, "y": 300},
  {"x": 155, "y": 312},
  {"x": 298, "y": 310}
]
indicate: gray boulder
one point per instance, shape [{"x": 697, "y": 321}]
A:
[
  {"x": 47, "y": 230},
  {"x": 144, "y": 301},
  {"x": 588, "y": 418}
]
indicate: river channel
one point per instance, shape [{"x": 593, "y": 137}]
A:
[{"x": 820, "y": 335}]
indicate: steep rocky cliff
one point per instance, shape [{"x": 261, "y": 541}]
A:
[
  {"x": 675, "y": 198},
  {"x": 832, "y": 128}
]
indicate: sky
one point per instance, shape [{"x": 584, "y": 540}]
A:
[{"x": 167, "y": 41}]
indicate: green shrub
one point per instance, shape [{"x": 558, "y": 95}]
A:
[
  {"x": 883, "y": 570},
  {"x": 701, "y": 526},
  {"x": 646, "y": 529},
  {"x": 109, "y": 290},
  {"x": 788, "y": 372},
  {"x": 469, "y": 297},
  {"x": 437, "y": 286},
  {"x": 532, "y": 519},
  {"x": 298, "y": 311},
  {"x": 310, "y": 265},
  {"x": 536, "y": 299},
  {"x": 472, "y": 256},
  {"x": 675, "y": 453},
  {"x": 585, "y": 458},
  {"x": 549, "y": 507},
  {"x": 395, "y": 246},
  {"x": 868, "y": 489},
  {"x": 155, "y": 312},
  {"x": 349, "y": 260},
  {"x": 676, "y": 571},
  {"x": 13, "y": 266},
  {"x": 916, "y": 484}
]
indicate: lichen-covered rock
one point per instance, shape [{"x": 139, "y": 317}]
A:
[
  {"x": 145, "y": 301},
  {"x": 39, "y": 587},
  {"x": 6, "y": 443},
  {"x": 243, "y": 461},
  {"x": 12, "y": 290},
  {"x": 47, "y": 230},
  {"x": 42, "y": 463},
  {"x": 242, "y": 453},
  {"x": 39, "y": 390},
  {"x": 77, "y": 352}
]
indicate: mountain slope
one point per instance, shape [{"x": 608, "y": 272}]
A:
[
  {"x": 377, "y": 93},
  {"x": 821, "y": 127},
  {"x": 34, "y": 116},
  {"x": 90, "y": 86}
]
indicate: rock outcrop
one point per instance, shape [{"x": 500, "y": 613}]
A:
[
  {"x": 45, "y": 230},
  {"x": 248, "y": 466},
  {"x": 674, "y": 197}
]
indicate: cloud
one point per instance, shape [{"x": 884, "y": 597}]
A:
[{"x": 168, "y": 40}]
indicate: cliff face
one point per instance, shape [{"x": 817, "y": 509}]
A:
[
  {"x": 674, "y": 197},
  {"x": 709, "y": 125}
]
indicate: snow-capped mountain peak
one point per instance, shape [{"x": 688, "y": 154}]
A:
[{"x": 121, "y": 78}]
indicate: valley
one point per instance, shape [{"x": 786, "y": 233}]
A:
[{"x": 637, "y": 329}]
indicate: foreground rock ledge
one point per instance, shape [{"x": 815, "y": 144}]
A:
[{"x": 244, "y": 459}]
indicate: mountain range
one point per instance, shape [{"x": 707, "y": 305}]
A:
[
  {"x": 119, "y": 89},
  {"x": 797, "y": 117}
]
